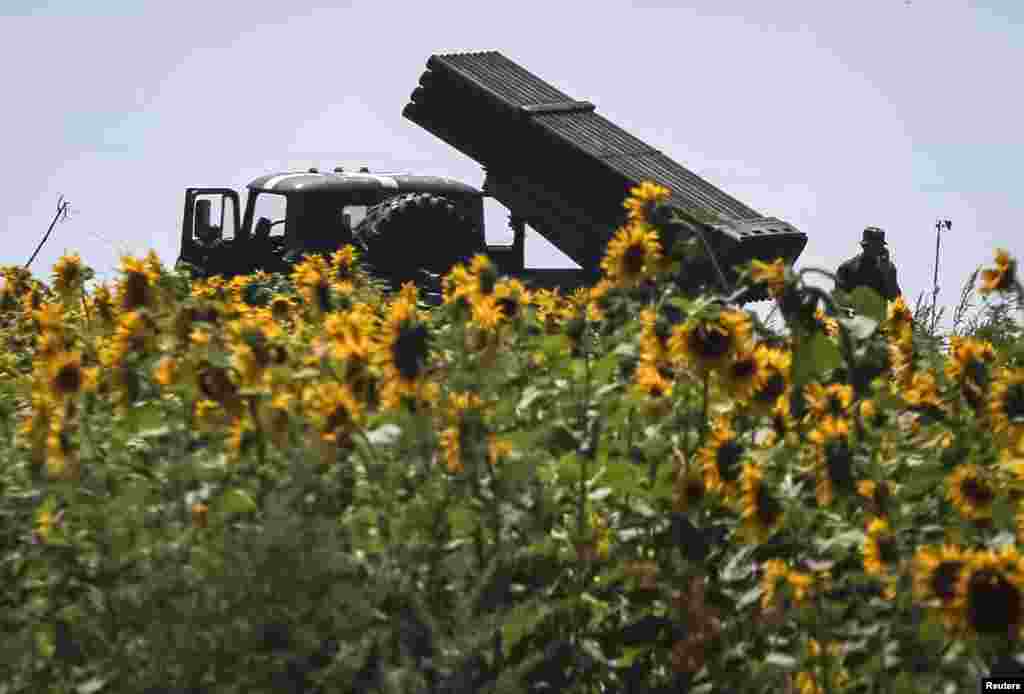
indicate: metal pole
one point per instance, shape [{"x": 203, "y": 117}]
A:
[
  {"x": 62, "y": 212},
  {"x": 935, "y": 281}
]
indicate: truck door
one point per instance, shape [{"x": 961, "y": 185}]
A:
[{"x": 210, "y": 223}]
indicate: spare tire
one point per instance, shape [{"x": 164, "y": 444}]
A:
[{"x": 416, "y": 237}]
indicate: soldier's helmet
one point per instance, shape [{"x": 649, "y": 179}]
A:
[{"x": 873, "y": 235}]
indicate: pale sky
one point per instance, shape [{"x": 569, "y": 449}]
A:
[{"x": 830, "y": 115}]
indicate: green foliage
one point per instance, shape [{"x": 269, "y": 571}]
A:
[{"x": 211, "y": 535}]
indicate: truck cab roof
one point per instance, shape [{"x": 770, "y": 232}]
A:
[{"x": 342, "y": 182}]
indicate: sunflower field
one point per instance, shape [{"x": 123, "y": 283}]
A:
[{"x": 307, "y": 484}]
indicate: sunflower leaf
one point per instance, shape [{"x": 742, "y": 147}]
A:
[
  {"x": 813, "y": 356},
  {"x": 868, "y": 302},
  {"x": 859, "y": 327},
  {"x": 780, "y": 660}
]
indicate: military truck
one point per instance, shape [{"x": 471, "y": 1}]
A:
[{"x": 551, "y": 161}]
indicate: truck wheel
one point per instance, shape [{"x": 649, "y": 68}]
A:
[{"x": 415, "y": 232}]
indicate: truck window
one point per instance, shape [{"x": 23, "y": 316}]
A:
[{"x": 273, "y": 206}]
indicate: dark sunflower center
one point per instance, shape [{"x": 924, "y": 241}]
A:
[
  {"x": 881, "y": 495},
  {"x": 488, "y": 278},
  {"x": 410, "y": 350},
  {"x": 728, "y": 460},
  {"x": 136, "y": 291},
  {"x": 662, "y": 330},
  {"x": 68, "y": 378},
  {"x": 338, "y": 419},
  {"x": 633, "y": 259},
  {"x": 69, "y": 274},
  {"x": 993, "y": 603},
  {"x": 1013, "y": 403},
  {"x": 835, "y": 406},
  {"x": 279, "y": 309},
  {"x": 769, "y": 509},
  {"x": 945, "y": 578},
  {"x": 215, "y": 384},
  {"x": 744, "y": 369},
  {"x": 710, "y": 342},
  {"x": 976, "y": 372},
  {"x": 509, "y": 306},
  {"x": 978, "y": 492},
  {"x": 257, "y": 342},
  {"x": 323, "y": 295},
  {"x": 888, "y": 552},
  {"x": 694, "y": 490},
  {"x": 773, "y": 388},
  {"x": 839, "y": 462}
]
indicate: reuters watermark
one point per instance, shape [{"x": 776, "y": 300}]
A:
[{"x": 1001, "y": 684}]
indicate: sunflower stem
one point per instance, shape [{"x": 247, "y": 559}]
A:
[{"x": 705, "y": 407}]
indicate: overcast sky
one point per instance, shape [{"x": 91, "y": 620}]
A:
[{"x": 830, "y": 115}]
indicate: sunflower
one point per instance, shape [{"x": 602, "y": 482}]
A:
[
  {"x": 772, "y": 275},
  {"x": 881, "y": 553},
  {"x": 721, "y": 459},
  {"x": 809, "y": 681},
  {"x": 878, "y": 496},
  {"x": 762, "y": 512},
  {"x": 281, "y": 307},
  {"x": 511, "y": 296},
  {"x": 166, "y": 371},
  {"x": 904, "y": 360},
  {"x": 66, "y": 376},
  {"x": 200, "y": 514},
  {"x": 407, "y": 342},
  {"x": 498, "y": 449},
  {"x": 343, "y": 263},
  {"x": 968, "y": 364},
  {"x": 923, "y": 393},
  {"x": 275, "y": 417},
  {"x": 61, "y": 458},
  {"x": 899, "y": 322},
  {"x": 774, "y": 368},
  {"x": 451, "y": 449},
  {"x": 832, "y": 401},
  {"x": 1006, "y": 405},
  {"x": 137, "y": 288},
  {"x": 68, "y": 274},
  {"x": 241, "y": 437},
  {"x": 1002, "y": 278},
  {"x": 652, "y": 381},
  {"x": 827, "y": 324},
  {"x": 337, "y": 411},
  {"x": 743, "y": 375},
  {"x": 782, "y": 428},
  {"x": 689, "y": 489},
  {"x": 707, "y": 344},
  {"x": 548, "y": 306},
  {"x": 936, "y": 578},
  {"x": 990, "y": 593},
  {"x": 486, "y": 313},
  {"x": 834, "y": 458},
  {"x": 642, "y": 200},
  {"x": 633, "y": 254},
  {"x": 482, "y": 269},
  {"x": 774, "y": 572},
  {"x": 776, "y": 575},
  {"x": 971, "y": 492},
  {"x": 402, "y": 350}
]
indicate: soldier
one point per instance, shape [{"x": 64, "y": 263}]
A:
[{"x": 872, "y": 268}]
